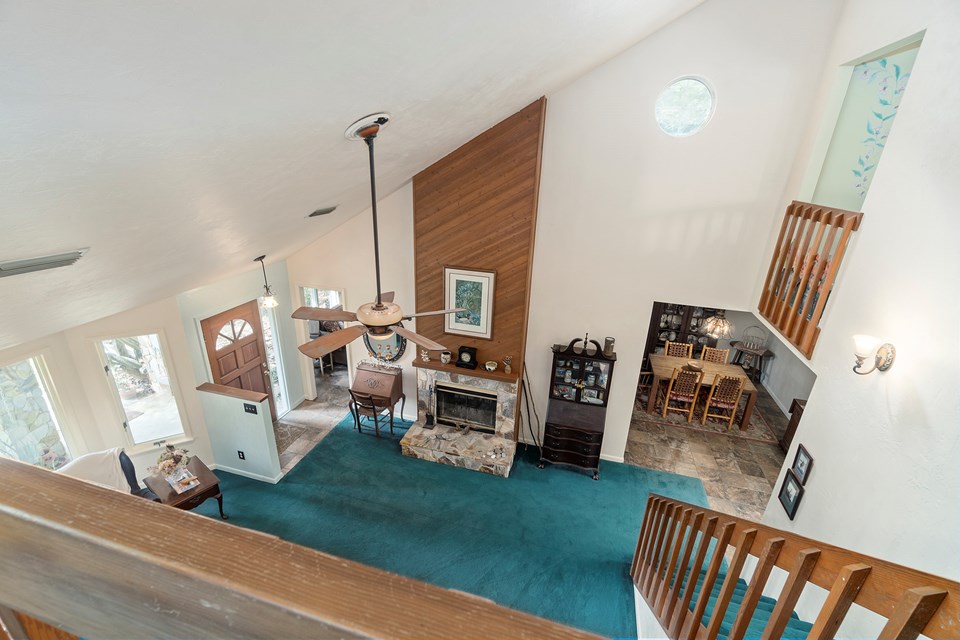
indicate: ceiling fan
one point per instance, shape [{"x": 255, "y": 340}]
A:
[{"x": 380, "y": 319}]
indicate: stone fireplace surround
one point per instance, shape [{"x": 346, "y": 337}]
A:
[{"x": 487, "y": 452}]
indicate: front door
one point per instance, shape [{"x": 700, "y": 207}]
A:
[{"x": 235, "y": 348}]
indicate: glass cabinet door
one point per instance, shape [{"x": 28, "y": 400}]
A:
[
  {"x": 596, "y": 376},
  {"x": 564, "y": 384}
]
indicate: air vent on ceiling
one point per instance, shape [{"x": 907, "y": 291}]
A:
[{"x": 27, "y": 265}]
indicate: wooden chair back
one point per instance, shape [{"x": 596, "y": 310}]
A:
[
  {"x": 364, "y": 405},
  {"x": 711, "y": 354},
  {"x": 678, "y": 349},
  {"x": 724, "y": 396},
  {"x": 684, "y": 387}
]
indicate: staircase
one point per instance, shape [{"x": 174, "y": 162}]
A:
[{"x": 688, "y": 565}]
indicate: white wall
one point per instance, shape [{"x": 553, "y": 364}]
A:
[
  {"x": 628, "y": 215},
  {"x": 198, "y": 304},
  {"x": 232, "y": 429},
  {"x": 343, "y": 259},
  {"x": 886, "y": 478}
]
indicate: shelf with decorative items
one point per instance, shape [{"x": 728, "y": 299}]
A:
[
  {"x": 579, "y": 392},
  {"x": 670, "y": 322}
]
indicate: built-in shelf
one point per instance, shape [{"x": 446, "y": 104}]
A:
[{"x": 479, "y": 372}]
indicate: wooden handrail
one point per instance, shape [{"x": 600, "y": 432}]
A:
[
  {"x": 102, "y": 563},
  {"x": 233, "y": 392},
  {"x": 912, "y": 601}
]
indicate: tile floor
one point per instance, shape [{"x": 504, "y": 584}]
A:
[{"x": 738, "y": 475}]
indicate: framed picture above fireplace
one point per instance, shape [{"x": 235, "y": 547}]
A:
[{"x": 472, "y": 291}]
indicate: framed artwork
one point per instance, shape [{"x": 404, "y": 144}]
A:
[
  {"x": 801, "y": 464},
  {"x": 472, "y": 291},
  {"x": 790, "y": 493}
]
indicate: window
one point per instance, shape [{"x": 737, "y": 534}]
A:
[
  {"x": 139, "y": 373},
  {"x": 29, "y": 429},
  {"x": 321, "y": 298},
  {"x": 685, "y": 107},
  {"x": 232, "y": 331}
]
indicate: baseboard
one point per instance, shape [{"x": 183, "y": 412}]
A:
[
  {"x": 783, "y": 407},
  {"x": 293, "y": 405},
  {"x": 610, "y": 458},
  {"x": 247, "y": 474}
]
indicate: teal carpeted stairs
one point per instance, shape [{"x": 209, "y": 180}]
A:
[{"x": 551, "y": 542}]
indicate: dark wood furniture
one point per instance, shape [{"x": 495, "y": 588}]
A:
[
  {"x": 796, "y": 412},
  {"x": 385, "y": 383},
  {"x": 754, "y": 368},
  {"x": 577, "y": 409},
  {"x": 663, "y": 367},
  {"x": 683, "y": 322},
  {"x": 209, "y": 487},
  {"x": 364, "y": 405}
]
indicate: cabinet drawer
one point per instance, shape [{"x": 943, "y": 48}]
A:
[
  {"x": 573, "y": 434},
  {"x": 573, "y": 446},
  {"x": 567, "y": 457}
]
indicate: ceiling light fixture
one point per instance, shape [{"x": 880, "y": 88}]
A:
[
  {"x": 323, "y": 211},
  {"x": 29, "y": 265},
  {"x": 866, "y": 347},
  {"x": 717, "y": 326},
  {"x": 269, "y": 300}
]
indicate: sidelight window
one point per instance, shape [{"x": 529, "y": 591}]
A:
[{"x": 29, "y": 428}]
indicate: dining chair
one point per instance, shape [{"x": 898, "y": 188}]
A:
[
  {"x": 724, "y": 396},
  {"x": 644, "y": 386},
  {"x": 683, "y": 389},
  {"x": 709, "y": 354},
  {"x": 678, "y": 349},
  {"x": 363, "y": 405}
]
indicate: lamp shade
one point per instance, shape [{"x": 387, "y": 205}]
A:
[
  {"x": 718, "y": 326},
  {"x": 865, "y": 346}
]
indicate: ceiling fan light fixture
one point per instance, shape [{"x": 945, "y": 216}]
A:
[{"x": 269, "y": 300}]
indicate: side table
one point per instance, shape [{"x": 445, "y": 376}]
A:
[
  {"x": 209, "y": 487},
  {"x": 755, "y": 368}
]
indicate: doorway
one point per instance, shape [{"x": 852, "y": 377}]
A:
[
  {"x": 237, "y": 352},
  {"x": 330, "y": 372}
]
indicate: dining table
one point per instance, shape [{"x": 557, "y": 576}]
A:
[{"x": 662, "y": 367}]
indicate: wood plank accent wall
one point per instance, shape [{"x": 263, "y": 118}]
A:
[{"x": 477, "y": 209}]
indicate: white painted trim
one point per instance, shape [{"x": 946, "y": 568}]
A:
[
  {"x": 247, "y": 474},
  {"x": 610, "y": 458},
  {"x": 648, "y": 627}
]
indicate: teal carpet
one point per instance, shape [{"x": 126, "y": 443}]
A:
[{"x": 551, "y": 542}]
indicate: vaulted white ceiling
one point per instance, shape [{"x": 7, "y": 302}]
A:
[{"x": 178, "y": 140}]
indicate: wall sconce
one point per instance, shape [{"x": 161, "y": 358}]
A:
[
  {"x": 269, "y": 300},
  {"x": 865, "y": 347}
]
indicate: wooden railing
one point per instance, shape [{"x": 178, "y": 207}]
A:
[
  {"x": 913, "y": 602},
  {"x": 102, "y": 564},
  {"x": 803, "y": 268}
]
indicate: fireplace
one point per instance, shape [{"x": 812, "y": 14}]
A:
[{"x": 462, "y": 406}]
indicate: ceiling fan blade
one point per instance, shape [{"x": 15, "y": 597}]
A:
[
  {"x": 312, "y": 313},
  {"x": 432, "y": 313},
  {"x": 419, "y": 340},
  {"x": 332, "y": 341},
  {"x": 387, "y": 296}
]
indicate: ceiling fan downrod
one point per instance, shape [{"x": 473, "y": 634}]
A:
[{"x": 369, "y": 134}]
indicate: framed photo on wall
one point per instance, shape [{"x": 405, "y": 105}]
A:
[
  {"x": 802, "y": 463},
  {"x": 472, "y": 291},
  {"x": 790, "y": 493}
]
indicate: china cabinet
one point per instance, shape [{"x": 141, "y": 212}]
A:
[{"x": 678, "y": 323}]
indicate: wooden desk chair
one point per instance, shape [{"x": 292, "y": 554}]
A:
[
  {"x": 709, "y": 354},
  {"x": 724, "y": 396},
  {"x": 678, "y": 349},
  {"x": 644, "y": 387},
  {"x": 683, "y": 389},
  {"x": 364, "y": 405}
]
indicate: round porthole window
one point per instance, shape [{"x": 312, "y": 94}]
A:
[{"x": 685, "y": 107}]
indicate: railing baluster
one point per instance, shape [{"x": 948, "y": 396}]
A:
[
  {"x": 670, "y": 602},
  {"x": 644, "y": 571},
  {"x": 844, "y": 591},
  {"x": 680, "y": 616},
  {"x": 693, "y": 623},
  {"x": 796, "y": 581},
  {"x": 742, "y": 550},
  {"x": 655, "y": 560},
  {"x": 643, "y": 537},
  {"x": 768, "y": 559},
  {"x": 912, "y": 614},
  {"x": 663, "y": 578}
]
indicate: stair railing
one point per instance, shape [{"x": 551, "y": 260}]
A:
[
  {"x": 679, "y": 541},
  {"x": 80, "y": 560}
]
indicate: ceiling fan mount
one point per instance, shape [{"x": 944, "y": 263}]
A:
[{"x": 379, "y": 319}]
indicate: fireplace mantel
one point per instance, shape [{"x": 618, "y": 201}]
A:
[{"x": 479, "y": 372}]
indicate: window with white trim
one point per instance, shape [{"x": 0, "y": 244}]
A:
[{"x": 29, "y": 428}]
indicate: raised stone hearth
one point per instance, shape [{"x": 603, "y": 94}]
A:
[{"x": 487, "y": 452}]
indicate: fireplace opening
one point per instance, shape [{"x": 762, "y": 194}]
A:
[{"x": 466, "y": 407}]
